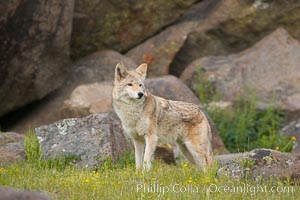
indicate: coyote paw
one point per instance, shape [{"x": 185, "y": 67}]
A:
[{"x": 146, "y": 167}]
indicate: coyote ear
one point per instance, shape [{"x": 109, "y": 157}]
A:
[
  {"x": 142, "y": 70},
  {"x": 120, "y": 72}
]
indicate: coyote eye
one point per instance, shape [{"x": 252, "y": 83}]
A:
[
  {"x": 129, "y": 84},
  {"x": 140, "y": 85}
]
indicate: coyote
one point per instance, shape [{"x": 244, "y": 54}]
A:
[{"x": 148, "y": 119}]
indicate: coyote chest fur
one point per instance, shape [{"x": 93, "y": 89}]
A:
[{"x": 148, "y": 119}]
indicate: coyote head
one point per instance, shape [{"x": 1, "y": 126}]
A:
[{"x": 129, "y": 85}]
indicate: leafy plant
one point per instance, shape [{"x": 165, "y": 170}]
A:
[
  {"x": 205, "y": 89},
  {"x": 59, "y": 162},
  {"x": 32, "y": 147},
  {"x": 244, "y": 127},
  {"x": 125, "y": 160}
]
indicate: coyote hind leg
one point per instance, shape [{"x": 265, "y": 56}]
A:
[
  {"x": 184, "y": 150},
  {"x": 197, "y": 153}
]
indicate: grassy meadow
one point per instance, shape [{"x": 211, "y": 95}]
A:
[{"x": 124, "y": 182}]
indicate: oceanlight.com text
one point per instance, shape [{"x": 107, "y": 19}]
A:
[{"x": 212, "y": 188}]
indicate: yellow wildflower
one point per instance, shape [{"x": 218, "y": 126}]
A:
[
  {"x": 190, "y": 180},
  {"x": 277, "y": 148},
  {"x": 207, "y": 180},
  {"x": 169, "y": 146},
  {"x": 184, "y": 165},
  {"x": 293, "y": 138}
]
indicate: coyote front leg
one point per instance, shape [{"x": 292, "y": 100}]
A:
[
  {"x": 139, "y": 146},
  {"x": 151, "y": 141}
]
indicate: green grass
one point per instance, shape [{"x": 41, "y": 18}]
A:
[
  {"x": 61, "y": 180},
  {"x": 243, "y": 126},
  {"x": 127, "y": 183},
  {"x": 32, "y": 147}
]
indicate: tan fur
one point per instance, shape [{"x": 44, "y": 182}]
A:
[{"x": 150, "y": 118}]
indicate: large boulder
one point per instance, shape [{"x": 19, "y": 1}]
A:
[
  {"x": 34, "y": 51},
  {"x": 260, "y": 164},
  {"x": 160, "y": 50},
  {"x": 97, "y": 67},
  {"x": 170, "y": 87},
  {"x": 120, "y": 25},
  {"x": 88, "y": 99},
  {"x": 270, "y": 68},
  {"x": 231, "y": 26},
  {"x": 13, "y": 194},
  {"x": 91, "y": 140}
]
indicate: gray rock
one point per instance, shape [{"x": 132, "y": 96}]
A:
[
  {"x": 97, "y": 67},
  {"x": 11, "y": 147},
  {"x": 170, "y": 87},
  {"x": 232, "y": 26},
  {"x": 160, "y": 50},
  {"x": 92, "y": 139},
  {"x": 276, "y": 55},
  {"x": 120, "y": 25},
  {"x": 228, "y": 158},
  {"x": 259, "y": 164},
  {"x": 88, "y": 99},
  {"x": 12, "y": 194},
  {"x": 34, "y": 50}
]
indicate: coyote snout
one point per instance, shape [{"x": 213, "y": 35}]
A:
[
  {"x": 135, "y": 90},
  {"x": 148, "y": 119},
  {"x": 140, "y": 94}
]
